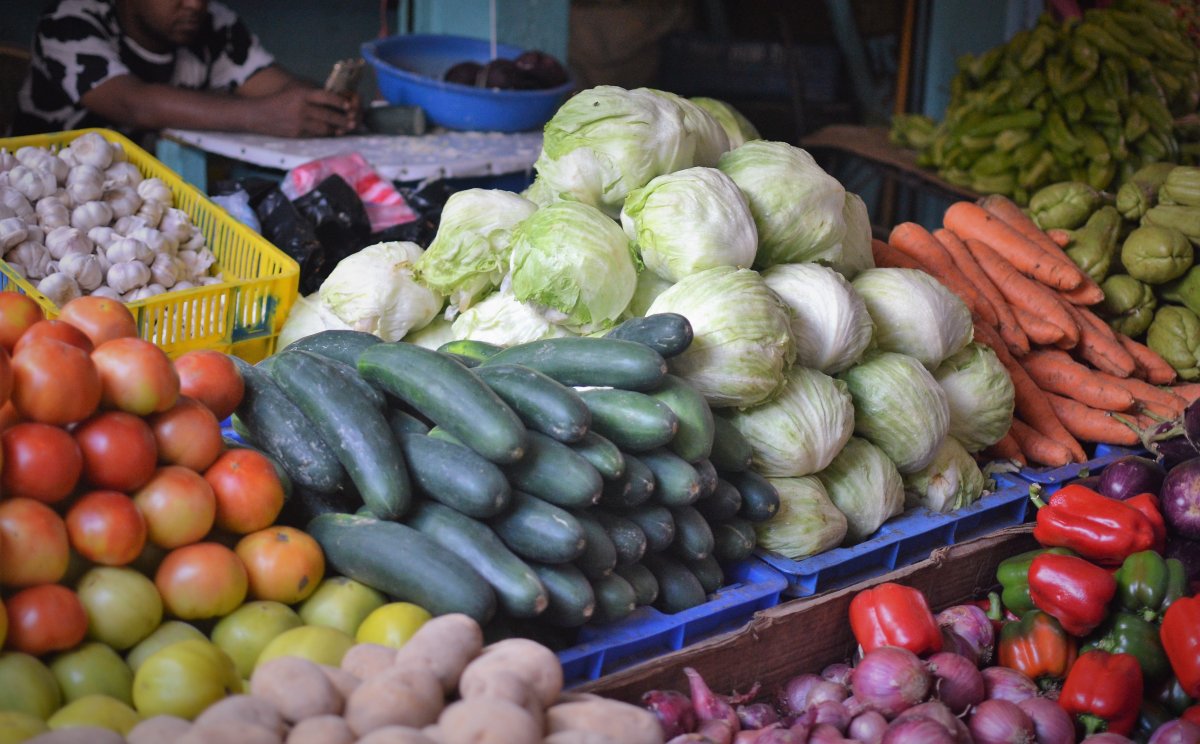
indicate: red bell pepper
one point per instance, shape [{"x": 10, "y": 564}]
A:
[
  {"x": 1096, "y": 527},
  {"x": 1147, "y": 504},
  {"x": 894, "y": 615},
  {"x": 1038, "y": 646},
  {"x": 1104, "y": 692},
  {"x": 1180, "y": 635},
  {"x": 1192, "y": 714},
  {"x": 995, "y": 611},
  {"x": 1071, "y": 589}
]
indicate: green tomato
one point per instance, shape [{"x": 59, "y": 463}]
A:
[
  {"x": 313, "y": 642},
  {"x": 123, "y": 606},
  {"x": 27, "y": 686},
  {"x": 1156, "y": 255},
  {"x": 16, "y": 726},
  {"x": 172, "y": 631},
  {"x": 246, "y": 631},
  {"x": 95, "y": 710},
  {"x": 93, "y": 669},
  {"x": 183, "y": 679},
  {"x": 340, "y": 603}
]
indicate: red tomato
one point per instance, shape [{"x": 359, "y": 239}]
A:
[
  {"x": 137, "y": 376},
  {"x": 101, "y": 318},
  {"x": 17, "y": 313},
  {"x": 106, "y": 527},
  {"x": 41, "y": 462},
  {"x": 249, "y": 494},
  {"x": 6, "y": 375},
  {"x": 201, "y": 581},
  {"x": 118, "y": 451},
  {"x": 45, "y": 618},
  {"x": 178, "y": 505},
  {"x": 284, "y": 564},
  {"x": 9, "y": 417},
  {"x": 188, "y": 435},
  {"x": 54, "y": 383},
  {"x": 211, "y": 378},
  {"x": 59, "y": 331},
  {"x": 33, "y": 543}
]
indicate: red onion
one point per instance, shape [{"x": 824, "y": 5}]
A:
[
  {"x": 803, "y": 724},
  {"x": 780, "y": 736},
  {"x": 1000, "y": 722},
  {"x": 690, "y": 739},
  {"x": 710, "y": 707},
  {"x": 793, "y": 696},
  {"x": 826, "y": 691},
  {"x": 1178, "y": 731},
  {"x": 957, "y": 682},
  {"x": 868, "y": 727},
  {"x": 825, "y": 734},
  {"x": 1002, "y": 683},
  {"x": 718, "y": 730},
  {"x": 1107, "y": 737},
  {"x": 917, "y": 731},
  {"x": 956, "y": 644},
  {"x": 973, "y": 625},
  {"x": 890, "y": 679},
  {"x": 854, "y": 706},
  {"x": 938, "y": 712},
  {"x": 1051, "y": 724},
  {"x": 673, "y": 709},
  {"x": 756, "y": 715},
  {"x": 832, "y": 713},
  {"x": 839, "y": 672}
]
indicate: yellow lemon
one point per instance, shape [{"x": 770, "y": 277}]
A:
[{"x": 392, "y": 624}]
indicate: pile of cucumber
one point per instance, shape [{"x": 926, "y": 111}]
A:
[{"x": 568, "y": 480}]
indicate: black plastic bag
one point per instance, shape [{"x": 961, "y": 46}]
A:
[
  {"x": 338, "y": 218},
  {"x": 292, "y": 233}
]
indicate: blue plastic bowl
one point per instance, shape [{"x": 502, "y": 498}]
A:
[{"x": 409, "y": 72}]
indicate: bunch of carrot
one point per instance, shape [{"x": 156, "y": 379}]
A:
[{"x": 1076, "y": 379}]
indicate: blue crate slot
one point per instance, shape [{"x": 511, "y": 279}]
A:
[
  {"x": 1105, "y": 453},
  {"x": 903, "y": 540},
  {"x": 228, "y": 432},
  {"x": 647, "y": 633}
]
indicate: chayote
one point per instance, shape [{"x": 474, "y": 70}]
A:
[
  {"x": 1156, "y": 255},
  {"x": 1175, "y": 335},
  {"x": 1128, "y": 304},
  {"x": 1183, "y": 291},
  {"x": 1065, "y": 205},
  {"x": 1094, "y": 245},
  {"x": 1140, "y": 192}
]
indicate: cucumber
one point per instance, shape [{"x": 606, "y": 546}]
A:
[
  {"x": 344, "y": 346},
  {"x": 635, "y": 488},
  {"x": 645, "y": 586},
  {"x": 676, "y": 483},
  {"x": 733, "y": 540},
  {"x": 438, "y": 432},
  {"x": 403, "y": 422},
  {"x": 518, "y": 589},
  {"x": 693, "y": 537},
  {"x": 600, "y": 556},
  {"x": 304, "y": 505},
  {"x": 466, "y": 348},
  {"x": 678, "y": 588},
  {"x": 708, "y": 572},
  {"x": 760, "y": 500},
  {"x": 627, "y": 538},
  {"x": 404, "y": 564},
  {"x": 572, "y": 600},
  {"x": 554, "y": 472},
  {"x": 542, "y": 403},
  {"x": 708, "y": 477},
  {"x": 465, "y": 361},
  {"x": 602, "y": 454},
  {"x": 615, "y": 599},
  {"x": 356, "y": 431},
  {"x": 694, "y": 439},
  {"x": 285, "y": 432},
  {"x": 538, "y": 531},
  {"x": 722, "y": 505},
  {"x": 731, "y": 452},
  {"x": 455, "y": 476},
  {"x": 655, "y": 522},
  {"x": 633, "y": 421},
  {"x": 601, "y": 362},
  {"x": 449, "y": 395},
  {"x": 667, "y": 333},
  {"x": 349, "y": 376}
]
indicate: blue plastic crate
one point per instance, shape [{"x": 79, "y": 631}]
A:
[
  {"x": 1054, "y": 478},
  {"x": 904, "y": 540},
  {"x": 647, "y": 633}
]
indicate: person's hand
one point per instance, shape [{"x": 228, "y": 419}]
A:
[{"x": 308, "y": 112}]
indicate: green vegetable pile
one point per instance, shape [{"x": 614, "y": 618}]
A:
[{"x": 1088, "y": 100}]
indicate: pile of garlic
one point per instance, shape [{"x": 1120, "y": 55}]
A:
[{"x": 83, "y": 221}]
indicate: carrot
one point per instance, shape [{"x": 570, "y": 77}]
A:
[
  {"x": 1189, "y": 391},
  {"x": 1089, "y": 294},
  {"x": 1157, "y": 371},
  {"x": 1056, "y": 372},
  {"x": 1098, "y": 345},
  {"x": 1091, "y": 424},
  {"x": 1023, "y": 292},
  {"x": 1007, "y": 324},
  {"x": 972, "y": 222},
  {"x": 1038, "y": 447},
  {"x": 887, "y": 257},
  {"x": 915, "y": 241},
  {"x": 1007, "y": 449},
  {"x": 1037, "y": 330},
  {"x": 1158, "y": 401},
  {"x": 1061, "y": 238}
]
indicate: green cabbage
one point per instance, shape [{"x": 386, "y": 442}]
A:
[
  {"x": 899, "y": 407},
  {"x": 914, "y": 314},
  {"x": 953, "y": 480},
  {"x": 865, "y": 486},
  {"x": 432, "y": 336},
  {"x": 980, "y": 395},
  {"x": 853, "y": 254},
  {"x": 737, "y": 127},
  {"x": 649, "y": 286},
  {"x": 375, "y": 291},
  {"x": 797, "y": 207},
  {"x": 688, "y": 221},
  {"x": 830, "y": 323},
  {"x": 807, "y": 522},
  {"x": 709, "y": 139},
  {"x": 571, "y": 258},
  {"x": 504, "y": 320},
  {"x": 742, "y": 339},
  {"x": 308, "y": 316}
]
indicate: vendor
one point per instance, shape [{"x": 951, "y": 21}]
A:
[{"x": 143, "y": 65}]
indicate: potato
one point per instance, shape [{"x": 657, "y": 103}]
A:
[
  {"x": 226, "y": 730},
  {"x": 444, "y": 645},
  {"x": 396, "y": 735},
  {"x": 504, "y": 685},
  {"x": 344, "y": 682},
  {"x": 623, "y": 722},
  {"x": 79, "y": 735},
  {"x": 488, "y": 721},
  {"x": 366, "y": 659},
  {"x": 297, "y": 688},
  {"x": 247, "y": 709},
  {"x": 397, "y": 697},
  {"x": 529, "y": 660},
  {"x": 577, "y": 697},
  {"x": 158, "y": 730},
  {"x": 322, "y": 730},
  {"x": 578, "y": 737}
]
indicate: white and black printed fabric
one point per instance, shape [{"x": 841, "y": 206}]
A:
[{"x": 79, "y": 44}]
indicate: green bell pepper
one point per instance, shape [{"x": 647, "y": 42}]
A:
[
  {"x": 1126, "y": 633},
  {"x": 1128, "y": 305},
  {"x": 1175, "y": 335},
  {"x": 1147, "y": 583},
  {"x": 1153, "y": 716},
  {"x": 1172, "y": 696},
  {"x": 1013, "y": 575},
  {"x": 1094, "y": 246},
  {"x": 1065, "y": 205},
  {"x": 1157, "y": 255}
]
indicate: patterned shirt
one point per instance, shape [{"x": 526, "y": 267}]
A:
[{"x": 79, "y": 44}]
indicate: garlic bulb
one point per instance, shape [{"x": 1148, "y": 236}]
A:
[
  {"x": 68, "y": 157},
  {"x": 126, "y": 225},
  {"x": 41, "y": 159},
  {"x": 108, "y": 292},
  {"x": 35, "y": 233},
  {"x": 7, "y": 160},
  {"x": 185, "y": 284},
  {"x": 92, "y": 149},
  {"x": 195, "y": 242},
  {"x": 17, "y": 202},
  {"x": 118, "y": 152},
  {"x": 32, "y": 257},
  {"x": 128, "y": 249},
  {"x": 154, "y": 190},
  {"x": 123, "y": 200},
  {"x": 128, "y": 275},
  {"x": 149, "y": 290},
  {"x": 176, "y": 224},
  {"x": 196, "y": 263},
  {"x": 85, "y": 183},
  {"x": 5, "y": 213},
  {"x": 122, "y": 174},
  {"x": 59, "y": 288},
  {"x": 165, "y": 269},
  {"x": 32, "y": 183},
  {"x": 152, "y": 211},
  {"x": 52, "y": 213},
  {"x": 29, "y": 155},
  {"x": 84, "y": 268},
  {"x": 92, "y": 214},
  {"x": 158, "y": 242},
  {"x": 210, "y": 280},
  {"x": 17, "y": 269},
  {"x": 12, "y": 232},
  {"x": 102, "y": 261},
  {"x": 103, "y": 236},
  {"x": 63, "y": 240}
]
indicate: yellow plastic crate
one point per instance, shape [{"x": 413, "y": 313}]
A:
[{"x": 243, "y": 315}]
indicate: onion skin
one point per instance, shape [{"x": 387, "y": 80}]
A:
[
  {"x": 832, "y": 713},
  {"x": 718, "y": 730},
  {"x": 781, "y": 736},
  {"x": 940, "y": 714},
  {"x": 890, "y": 679},
  {"x": 1178, "y": 731},
  {"x": 825, "y": 734},
  {"x": 971, "y": 624},
  {"x": 1000, "y": 722},
  {"x": 958, "y": 683},
  {"x": 709, "y": 706},
  {"x": 1002, "y": 683},
  {"x": 756, "y": 715},
  {"x": 868, "y": 727},
  {"x": 673, "y": 709},
  {"x": 1051, "y": 724},
  {"x": 917, "y": 731},
  {"x": 793, "y": 696},
  {"x": 1107, "y": 737},
  {"x": 839, "y": 673}
]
